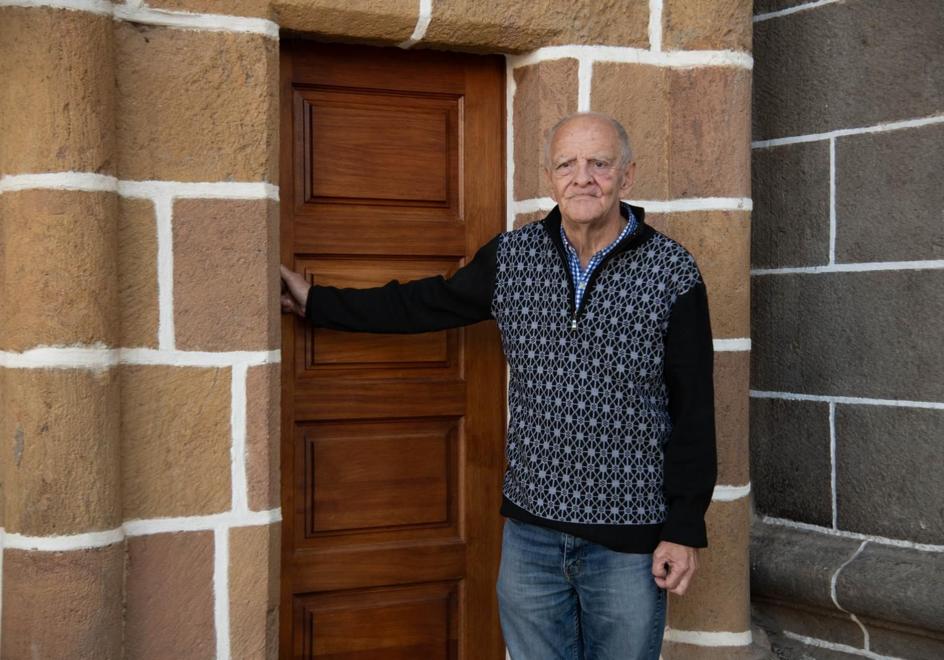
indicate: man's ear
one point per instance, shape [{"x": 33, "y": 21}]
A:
[{"x": 629, "y": 178}]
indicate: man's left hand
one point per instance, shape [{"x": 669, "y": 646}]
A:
[{"x": 673, "y": 566}]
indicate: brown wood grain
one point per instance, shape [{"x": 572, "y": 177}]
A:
[{"x": 392, "y": 167}]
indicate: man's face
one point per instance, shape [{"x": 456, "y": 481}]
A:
[{"x": 585, "y": 171}]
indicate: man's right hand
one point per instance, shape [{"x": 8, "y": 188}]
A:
[{"x": 294, "y": 291}]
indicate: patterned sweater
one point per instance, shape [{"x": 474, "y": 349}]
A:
[{"x": 611, "y": 429}]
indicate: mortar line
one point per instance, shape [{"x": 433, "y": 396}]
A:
[
  {"x": 847, "y": 400},
  {"x": 584, "y": 83},
  {"x": 792, "y": 10},
  {"x": 704, "y": 638},
  {"x": 682, "y": 59},
  {"x": 238, "y": 476},
  {"x": 655, "y": 25},
  {"x": 833, "y": 646},
  {"x": 832, "y": 201},
  {"x": 221, "y": 591},
  {"x": 832, "y": 461},
  {"x": 163, "y": 211},
  {"x": 723, "y": 493},
  {"x": 98, "y": 357},
  {"x": 511, "y": 87},
  {"x": 832, "y": 593},
  {"x": 844, "y": 132},
  {"x": 852, "y": 267},
  {"x": 840, "y": 533},
  {"x": 422, "y": 23}
]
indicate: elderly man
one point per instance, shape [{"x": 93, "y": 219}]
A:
[{"x": 610, "y": 442}]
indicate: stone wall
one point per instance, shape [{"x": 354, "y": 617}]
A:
[
  {"x": 847, "y": 376},
  {"x": 139, "y": 392}
]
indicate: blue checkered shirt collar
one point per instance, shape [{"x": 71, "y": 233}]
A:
[{"x": 581, "y": 276}]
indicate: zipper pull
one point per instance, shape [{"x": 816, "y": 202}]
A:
[{"x": 573, "y": 323}]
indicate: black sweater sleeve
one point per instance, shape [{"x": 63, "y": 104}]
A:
[
  {"x": 690, "y": 454},
  {"x": 425, "y": 305}
]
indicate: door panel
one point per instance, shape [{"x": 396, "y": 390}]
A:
[{"x": 392, "y": 449}]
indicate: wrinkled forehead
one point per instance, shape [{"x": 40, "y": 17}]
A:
[{"x": 585, "y": 136}]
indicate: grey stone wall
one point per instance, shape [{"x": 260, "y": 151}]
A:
[{"x": 847, "y": 372}]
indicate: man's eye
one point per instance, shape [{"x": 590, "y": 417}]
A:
[{"x": 601, "y": 164}]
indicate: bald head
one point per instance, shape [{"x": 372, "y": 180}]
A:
[{"x": 619, "y": 134}]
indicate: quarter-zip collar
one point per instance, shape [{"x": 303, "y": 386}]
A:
[{"x": 552, "y": 225}]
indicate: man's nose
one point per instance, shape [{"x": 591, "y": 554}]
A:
[{"x": 582, "y": 174}]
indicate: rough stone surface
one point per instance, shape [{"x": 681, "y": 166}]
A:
[
  {"x": 254, "y": 8},
  {"x": 732, "y": 375},
  {"x": 810, "y": 621},
  {"x": 900, "y": 585},
  {"x": 57, "y": 99},
  {"x": 63, "y": 604},
  {"x": 764, "y": 6},
  {"x": 60, "y": 269},
  {"x": 263, "y": 393},
  {"x": 376, "y": 21},
  {"x": 494, "y": 25},
  {"x": 904, "y": 641},
  {"x": 791, "y": 205},
  {"x": 175, "y": 434},
  {"x": 888, "y": 479},
  {"x": 720, "y": 25},
  {"x": 889, "y": 195},
  {"x": 643, "y": 114},
  {"x": 790, "y": 464},
  {"x": 847, "y": 64},
  {"x": 254, "y": 591},
  {"x": 59, "y": 458},
  {"x": 545, "y": 92},
  {"x": 796, "y": 566},
  {"x": 137, "y": 272},
  {"x": 709, "y": 149},
  {"x": 226, "y": 277},
  {"x": 866, "y": 334},
  {"x": 720, "y": 241},
  {"x": 196, "y": 105},
  {"x": 169, "y": 597},
  {"x": 719, "y": 596},
  {"x": 690, "y": 128}
]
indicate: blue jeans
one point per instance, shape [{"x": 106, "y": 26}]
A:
[{"x": 564, "y": 598}]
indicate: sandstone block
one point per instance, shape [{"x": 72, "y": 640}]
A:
[
  {"x": 226, "y": 278},
  {"x": 137, "y": 273},
  {"x": 854, "y": 334},
  {"x": 719, "y": 595},
  {"x": 263, "y": 415},
  {"x": 254, "y": 591},
  {"x": 723, "y": 25},
  {"x": 169, "y": 597},
  {"x": 732, "y": 375},
  {"x": 388, "y": 22},
  {"x": 545, "y": 93},
  {"x": 889, "y": 197},
  {"x": 791, "y": 205},
  {"x": 720, "y": 241},
  {"x": 60, "y": 272},
  {"x": 887, "y": 482},
  {"x": 63, "y": 604},
  {"x": 57, "y": 98},
  {"x": 175, "y": 433},
  {"x": 638, "y": 96},
  {"x": 196, "y": 105},
  {"x": 851, "y": 74},
  {"x": 493, "y": 25},
  {"x": 679, "y": 651},
  {"x": 709, "y": 147},
  {"x": 790, "y": 463},
  {"x": 60, "y": 462}
]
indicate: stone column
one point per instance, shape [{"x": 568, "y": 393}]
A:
[{"x": 63, "y": 560}]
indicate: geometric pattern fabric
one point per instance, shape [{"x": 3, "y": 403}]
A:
[{"x": 587, "y": 404}]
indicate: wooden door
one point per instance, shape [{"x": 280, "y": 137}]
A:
[{"x": 392, "y": 446}]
